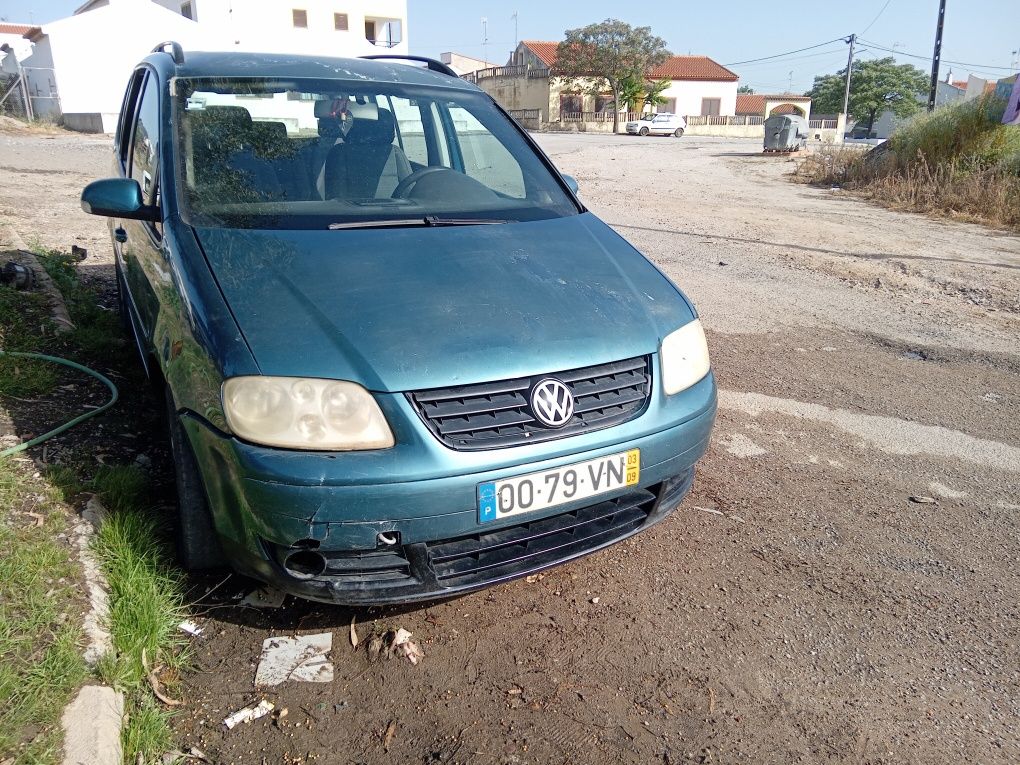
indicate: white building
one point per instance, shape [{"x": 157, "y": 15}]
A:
[
  {"x": 80, "y": 65},
  {"x": 529, "y": 84}
]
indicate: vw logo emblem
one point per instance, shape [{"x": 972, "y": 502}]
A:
[{"x": 552, "y": 403}]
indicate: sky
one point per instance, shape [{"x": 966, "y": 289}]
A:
[{"x": 981, "y": 34}]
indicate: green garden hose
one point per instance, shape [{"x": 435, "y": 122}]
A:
[{"x": 80, "y": 418}]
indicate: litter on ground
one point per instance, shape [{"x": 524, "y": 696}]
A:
[
  {"x": 249, "y": 713},
  {"x": 190, "y": 628},
  {"x": 301, "y": 658},
  {"x": 264, "y": 598}
]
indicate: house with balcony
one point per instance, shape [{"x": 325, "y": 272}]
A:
[
  {"x": 530, "y": 87},
  {"x": 79, "y": 65}
]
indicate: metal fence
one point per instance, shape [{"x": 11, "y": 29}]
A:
[
  {"x": 14, "y": 100},
  {"x": 597, "y": 116},
  {"x": 740, "y": 119},
  {"x": 823, "y": 124},
  {"x": 44, "y": 102}
]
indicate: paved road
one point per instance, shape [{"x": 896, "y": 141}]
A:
[{"x": 799, "y": 607}]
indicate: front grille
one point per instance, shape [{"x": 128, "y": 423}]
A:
[
  {"x": 497, "y": 415},
  {"x": 487, "y": 557}
]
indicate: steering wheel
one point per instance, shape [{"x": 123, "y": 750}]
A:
[{"x": 402, "y": 189}]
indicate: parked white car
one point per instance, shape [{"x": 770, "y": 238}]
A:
[{"x": 658, "y": 124}]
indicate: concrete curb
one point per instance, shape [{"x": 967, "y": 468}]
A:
[
  {"x": 92, "y": 724},
  {"x": 57, "y": 305}
]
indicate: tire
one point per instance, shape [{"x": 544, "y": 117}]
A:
[
  {"x": 643, "y": 131},
  {"x": 198, "y": 545},
  {"x": 678, "y": 132}
]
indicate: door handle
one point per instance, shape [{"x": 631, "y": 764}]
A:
[{"x": 120, "y": 235}]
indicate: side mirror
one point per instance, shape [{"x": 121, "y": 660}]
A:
[
  {"x": 571, "y": 182},
  {"x": 117, "y": 198}
]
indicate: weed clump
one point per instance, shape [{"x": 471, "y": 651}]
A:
[{"x": 958, "y": 161}]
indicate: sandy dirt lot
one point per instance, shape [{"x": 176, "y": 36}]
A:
[{"x": 799, "y": 607}]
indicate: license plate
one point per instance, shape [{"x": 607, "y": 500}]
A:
[{"x": 549, "y": 488}]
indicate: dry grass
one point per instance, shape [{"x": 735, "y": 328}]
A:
[{"x": 959, "y": 161}]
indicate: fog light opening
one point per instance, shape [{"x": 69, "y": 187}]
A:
[
  {"x": 388, "y": 539},
  {"x": 304, "y": 564}
]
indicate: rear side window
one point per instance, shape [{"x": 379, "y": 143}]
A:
[
  {"x": 145, "y": 141},
  {"x": 127, "y": 113}
]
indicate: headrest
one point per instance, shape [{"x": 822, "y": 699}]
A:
[{"x": 377, "y": 130}]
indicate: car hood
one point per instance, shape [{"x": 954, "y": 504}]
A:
[{"x": 413, "y": 308}]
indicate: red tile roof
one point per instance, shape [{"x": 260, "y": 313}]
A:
[
  {"x": 14, "y": 29},
  {"x": 750, "y": 103},
  {"x": 674, "y": 68},
  {"x": 754, "y": 103}
]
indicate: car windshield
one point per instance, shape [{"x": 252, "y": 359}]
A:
[{"x": 320, "y": 154}]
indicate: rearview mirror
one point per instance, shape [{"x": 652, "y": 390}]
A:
[
  {"x": 117, "y": 198},
  {"x": 571, "y": 182}
]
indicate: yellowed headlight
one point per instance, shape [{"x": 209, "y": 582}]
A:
[{"x": 300, "y": 413}]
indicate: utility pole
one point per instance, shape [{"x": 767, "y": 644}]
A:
[
  {"x": 936, "y": 57},
  {"x": 849, "y": 70}
]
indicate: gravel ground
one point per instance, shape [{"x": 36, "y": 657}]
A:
[{"x": 799, "y": 607}]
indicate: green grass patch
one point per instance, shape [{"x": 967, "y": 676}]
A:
[
  {"x": 25, "y": 325},
  {"x": 40, "y": 639},
  {"x": 40, "y": 655},
  {"x": 97, "y": 331},
  {"x": 146, "y": 605}
]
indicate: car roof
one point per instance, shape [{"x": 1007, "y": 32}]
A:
[{"x": 238, "y": 64}]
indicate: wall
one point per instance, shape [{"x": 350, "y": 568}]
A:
[
  {"x": 688, "y": 95},
  {"x": 520, "y": 93},
  {"x": 269, "y": 26},
  {"x": 93, "y": 53}
]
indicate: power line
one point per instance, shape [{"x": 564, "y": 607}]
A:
[
  {"x": 796, "y": 58},
  {"x": 876, "y": 17},
  {"x": 788, "y": 53},
  {"x": 985, "y": 67}
]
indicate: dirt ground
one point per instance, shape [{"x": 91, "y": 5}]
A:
[{"x": 799, "y": 607}]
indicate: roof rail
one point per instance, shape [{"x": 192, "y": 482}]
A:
[
  {"x": 435, "y": 66},
  {"x": 176, "y": 51}
]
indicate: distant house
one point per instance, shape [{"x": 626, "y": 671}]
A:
[
  {"x": 462, "y": 64},
  {"x": 79, "y": 65},
  {"x": 530, "y": 83},
  {"x": 762, "y": 105},
  {"x": 13, "y": 46}
]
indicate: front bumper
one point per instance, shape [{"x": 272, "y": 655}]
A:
[{"x": 442, "y": 549}]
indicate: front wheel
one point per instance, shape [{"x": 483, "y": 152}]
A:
[
  {"x": 643, "y": 131},
  {"x": 678, "y": 132},
  {"x": 198, "y": 546}
]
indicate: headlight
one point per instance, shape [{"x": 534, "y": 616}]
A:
[
  {"x": 298, "y": 413},
  {"x": 684, "y": 356}
]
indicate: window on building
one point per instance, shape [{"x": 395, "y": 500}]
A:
[
  {"x": 668, "y": 107},
  {"x": 710, "y": 107},
  {"x": 300, "y": 18},
  {"x": 187, "y": 11},
  {"x": 340, "y": 22},
  {"x": 571, "y": 103},
  {"x": 370, "y": 31},
  {"x": 604, "y": 102}
]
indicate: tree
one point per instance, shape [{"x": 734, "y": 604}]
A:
[
  {"x": 875, "y": 85},
  {"x": 611, "y": 51},
  {"x": 654, "y": 90},
  {"x": 746, "y": 89},
  {"x": 632, "y": 92}
]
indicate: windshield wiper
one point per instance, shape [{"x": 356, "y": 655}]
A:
[{"x": 430, "y": 220}]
